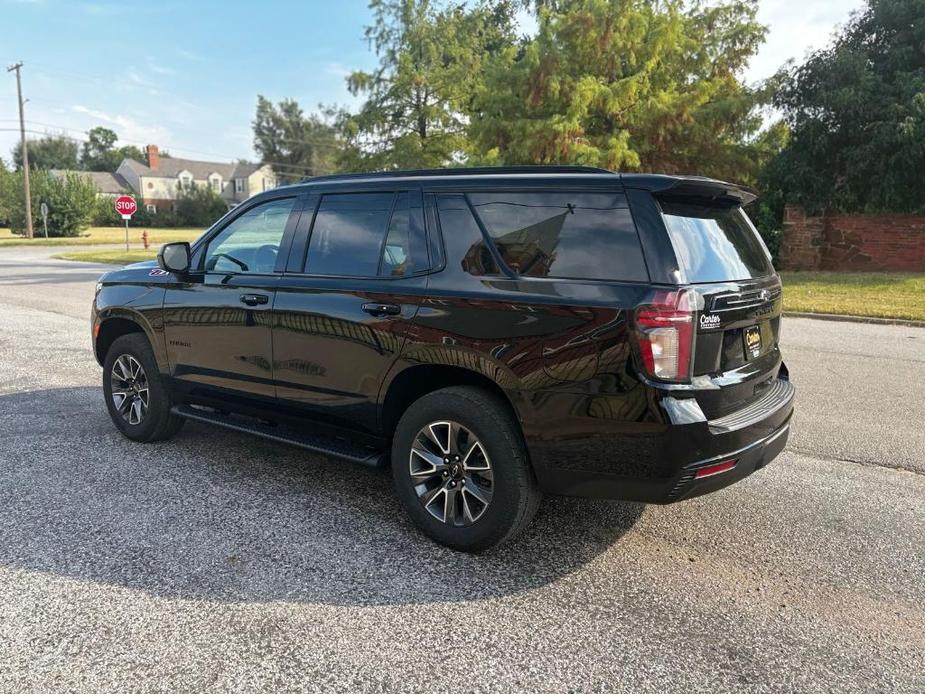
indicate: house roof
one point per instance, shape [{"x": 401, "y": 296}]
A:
[
  {"x": 170, "y": 167},
  {"x": 105, "y": 181}
]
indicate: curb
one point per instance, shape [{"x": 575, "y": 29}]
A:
[{"x": 857, "y": 319}]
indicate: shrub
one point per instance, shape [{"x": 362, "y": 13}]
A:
[
  {"x": 104, "y": 213},
  {"x": 198, "y": 206},
  {"x": 71, "y": 201}
]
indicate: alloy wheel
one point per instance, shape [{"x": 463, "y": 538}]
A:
[
  {"x": 451, "y": 473},
  {"x": 129, "y": 385}
]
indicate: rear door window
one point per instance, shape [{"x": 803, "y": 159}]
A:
[
  {"x": 715, "y": 244},
  {"x": 367, "y": 235},
  {"x": 347, "y": 235},
  {"x": 580, "y": 235}
]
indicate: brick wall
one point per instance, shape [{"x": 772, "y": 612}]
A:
[{"x": 856, "y": 242}]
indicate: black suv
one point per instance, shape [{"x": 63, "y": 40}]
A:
[{"x": 494, "y": 333}]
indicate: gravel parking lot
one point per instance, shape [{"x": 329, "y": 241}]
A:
[{"x": 219, "y": 561}]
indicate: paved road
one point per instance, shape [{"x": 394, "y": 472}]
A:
[{"x": 217, "y": 561}]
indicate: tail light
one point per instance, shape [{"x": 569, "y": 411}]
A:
[{"x": 665, "y": 332}]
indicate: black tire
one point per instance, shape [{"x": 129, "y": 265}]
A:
[
  {"x": 515, "y": 495},
  {"x": 157, "y": 423}
]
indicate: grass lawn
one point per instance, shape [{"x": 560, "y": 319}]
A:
[
  {"x": 879, "y": 294},
  {"x": 103, "y": 235}
]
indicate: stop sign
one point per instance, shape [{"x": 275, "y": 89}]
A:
[{"x": 126, "y": 206}]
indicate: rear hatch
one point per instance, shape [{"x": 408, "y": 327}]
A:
[{"x": 737, "y": 325}]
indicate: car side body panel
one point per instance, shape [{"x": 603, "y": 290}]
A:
[
  {"x": 132, "y": 294},
  {"x": 561, "y": 351}
]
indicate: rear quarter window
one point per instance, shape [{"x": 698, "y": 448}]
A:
[
  {"x": 579, "y": 235},
  {"x": 715, "y": 244}
]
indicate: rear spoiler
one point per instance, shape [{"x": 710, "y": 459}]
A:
[{"x": 693, "y": 188}]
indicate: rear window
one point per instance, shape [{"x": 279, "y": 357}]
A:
[
  {"x": 566, "y": 235},
  {"x": 715, "y": 244}
]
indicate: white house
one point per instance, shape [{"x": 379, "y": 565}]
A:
[{"x": 157, "y": 181}]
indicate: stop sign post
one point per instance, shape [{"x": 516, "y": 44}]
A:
[{"x": 126, "y": 206}]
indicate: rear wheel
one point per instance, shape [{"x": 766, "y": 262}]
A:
[
  {"x": 136, "y": 396},
  {"x": 461, "y": 471}
]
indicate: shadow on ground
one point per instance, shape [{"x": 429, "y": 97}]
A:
[{"x": 221, "y": 516}]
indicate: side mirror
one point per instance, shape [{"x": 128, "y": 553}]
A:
[{"x": 174, "y": 257}]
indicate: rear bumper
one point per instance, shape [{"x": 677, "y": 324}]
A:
[
  {"x": 660, "y": 463},
  {"x": 748, "y": 460}
]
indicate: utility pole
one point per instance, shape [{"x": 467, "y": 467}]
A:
[{"x": 25, "y": 150}]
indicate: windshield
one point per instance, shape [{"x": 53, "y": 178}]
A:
[{"x": 715, "y": 244}]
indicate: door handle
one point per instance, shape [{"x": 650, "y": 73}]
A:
[
  {"x": 254, "y": 299},
  {"x": 382, "y": 309}
]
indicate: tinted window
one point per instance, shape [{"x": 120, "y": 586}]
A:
[
  {"x": 405, "y": 250},
  {"x": 251, "y": 242},
  {"x": 434, "y": 238},
  {"x": 463, "y": 238},
  {"x": 715, "y": 244},
  {"x": 346, "y": 238},
  {"x": 576, "y": 235}
]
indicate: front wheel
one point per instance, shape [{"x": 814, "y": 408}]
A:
[
  {"x": 461, "y": 470},
  {"x": 136, "y": 396}
]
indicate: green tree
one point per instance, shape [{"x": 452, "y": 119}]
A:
[
  {"x": 418, "y": 98},
  {"x": 627, "y": 84},
  {"x": 48, "y": 152},
  {"x": 295, "y": 145},
  {"x": 99, "y": 152},
  {"x": 5, "y": 193},
  {"x": 71, "y": 200},
  {"x": 856, "y": 112}
]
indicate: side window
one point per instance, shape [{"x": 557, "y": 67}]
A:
[
  {"x": 251, "y": 242},
  {"x": 346, "y": 238},
  {"x": 463, "y": 238},
  {"x": 570, "y": 235},
  {"x": 405, "y": 249},
  {"x": 434, "y": 237}
]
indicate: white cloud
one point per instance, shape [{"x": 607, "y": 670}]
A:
[
  {"x": 190, "y": 55},
  {"x": 338, "y": 69},
  {"x": 98, "y": 9},
  {"x": 795, "y": 31},
  {"x": 128, "y": 129},
  {"x": 157, "y": 68}
]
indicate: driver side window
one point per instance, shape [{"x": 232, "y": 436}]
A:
[{"x": 251, "y": 242}]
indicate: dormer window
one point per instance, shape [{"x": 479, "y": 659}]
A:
[
  {"x": 215, "y": 180},
  {"x": 185, "y": 179}
]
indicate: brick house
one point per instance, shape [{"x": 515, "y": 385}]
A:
[{"x": 157, "y": 181}]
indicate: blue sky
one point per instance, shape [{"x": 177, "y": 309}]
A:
[{"x": 185, "y": 75}]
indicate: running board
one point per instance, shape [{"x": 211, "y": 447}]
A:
[{"x": 317, "y": 443}]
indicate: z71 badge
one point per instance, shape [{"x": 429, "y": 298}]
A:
[{"x": 157, "y": 272}]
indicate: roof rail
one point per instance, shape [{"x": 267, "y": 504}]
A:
[{"x": 461, "y": 171}]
